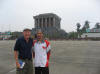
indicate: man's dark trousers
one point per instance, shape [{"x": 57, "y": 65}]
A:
[{"x": 27, "y": 69}]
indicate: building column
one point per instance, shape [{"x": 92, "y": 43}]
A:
[
  {"x": 38, "y": 23},
  {"x": 42, "y": 23},
  {"x": 45, "y": 22},
  {"x": 35, "y": 23},
  {"x": 54, "y": 22},
  {"x": 49, "y": 22}
]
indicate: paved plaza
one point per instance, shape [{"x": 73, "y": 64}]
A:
[{"x": 67, "y": 57}]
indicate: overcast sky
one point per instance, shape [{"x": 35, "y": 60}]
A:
[{"x": 15, "y": 15}]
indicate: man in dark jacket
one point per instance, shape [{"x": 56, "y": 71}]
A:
[{"x": 23, "y": 53}]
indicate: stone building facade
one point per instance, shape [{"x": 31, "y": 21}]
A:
[
  {"x": 49, "y": 23},
  {"x": 48, "y": 20}
]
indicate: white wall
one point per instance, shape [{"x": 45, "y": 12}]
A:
[{"x": 90, "y": 35}]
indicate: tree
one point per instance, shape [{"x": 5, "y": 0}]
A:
[
  {"x": 72, "y": 35},
  {"x": 86, "y": 26},
  {"x": 97, "y": 25},
  {"x": 78, "y": 30},
  {"x": 78, "y": 26}
]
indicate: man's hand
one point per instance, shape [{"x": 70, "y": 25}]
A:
[
  {"x": 17, "y": 64},
  {"x": 16, "y": 58}
]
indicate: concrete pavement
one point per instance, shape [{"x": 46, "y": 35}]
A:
[{"x": 67, "y": 57}]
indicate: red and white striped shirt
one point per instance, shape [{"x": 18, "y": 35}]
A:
[{"x": 42, "y": 53}]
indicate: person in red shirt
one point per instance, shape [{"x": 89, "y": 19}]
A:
[{"x": 41, "y": 51}]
